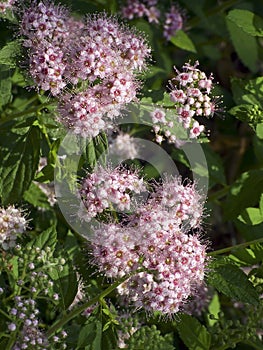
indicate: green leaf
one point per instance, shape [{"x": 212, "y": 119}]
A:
[
  {"x": 215, "y": 166},
  {"x": 248, "y": 113},
  {"x": 244, "y": 44},
  {"x": 245, "y": 192},
  {"x": 193, "y": 334},
  {"x": 228, "y": 279},
  {"x": 248, "y": 256},
  {"x": 182, "y": 40},
  {"x": 5, "y": 85},
  {"x": 9, "y": 53},
  {"x": 214, "y": 309},
  {"x": 35, "y": 196},
  {"x": 66, "y": 281},
  {"x": 95, "y": 149},
  {"x": 251, "y": 216},
  {"x": 90, "y": 335},
  {"x": 259, "y": 131},
  {"x": 47, "y": 239},
  {"x": 19, "y": 163},
  {"x": 247, "y": 21}
]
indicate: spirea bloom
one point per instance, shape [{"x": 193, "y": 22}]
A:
[
  {"x": 109, "y": 58},
  {"x": 138, "y": 9},
  {"x": 12, "y": 224},
  {"x": 6, "y": 5},
  {"x": 124, "y": 147},
  {"x": 156, "y": 239},
  {"x": 100, "y": 56},
  {"x": 173, "y": 22},
  {"x": 105, "y": 188},
  {"x": 183, "y": 202},
  {"x": 190, "y": 91}
]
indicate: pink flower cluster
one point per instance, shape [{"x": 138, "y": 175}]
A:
[
  {"x": 105, "y": 188},
  {"x": 12, "y": 224},
  {"x": 99, "y": 58},
  {"x": 190, "y": 92},
  {"x": 138, "y": 9},
  {"x": 157, "y": 239},
  {"x": 6, "y": 5},
  {"x": 172, "y": 21},
  {"x": 123, "y": 147}
]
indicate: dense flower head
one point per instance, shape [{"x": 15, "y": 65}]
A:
[
  {"x": 44, "y": 21},
  {"x": 87, "y": 113},
  {"x": 99, "y": 56},
  {"x": 105, "y": 188},
  {"x": 183, "y": 202},
  {"x": 177, "y": 266},
  {"x": 46, "y": 67},
  {"x": 156, "y": 239},
  {"x": 12, "y": 224}
]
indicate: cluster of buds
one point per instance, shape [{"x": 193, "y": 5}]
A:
[
  {"x": 12, "y": 224},
  {"x": 25, "y": 314},
  {"x": 106, "y": 188},
  {"x": 156, "y": 239},
  {"x": 172, "y": 20},
  {"x": 190, "y": 91},
  {"x": 25, "y": 324},
  {"x": 98, "y": 55}
]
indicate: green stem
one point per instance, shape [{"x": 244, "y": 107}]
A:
[
  {"x": 235, "y": 247},
  {"x": 24, "y": 113},
  {"x": 5, "y": 314},
  {"x": 60, "y": 323}
]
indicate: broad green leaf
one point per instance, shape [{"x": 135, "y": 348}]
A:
[
  {"x": 228, "y": 279},
  {"x": 35, "y": 196},
  {"x": 215, "y": 166},
  {"x": 19, "y": 163},
  {"x": 248, "y": 91},
  {"x": 243, "y": 257},
  {"x": 47, "y": 239},
  {"x": 244, "y": 44},
  {"x": 248, "y": 256},
  {"x": 248, "y": 21},
  {"x": 5, "y": 85},
  {"x": 9, "y": 53},
  {"x": 259, "y": 131},
  {"x": 214, "y": 309},
  {"x": 251, "y": 216},
  {"x": 90, "y": 335},
  {"x": 94, "y": 150},
  {"x": 67, "y": 282},
  {"x": 261, "y": 204},
  {"x": 248, "y": 113},
  {"x": 193, "y": 333},
  {"x": 182, "y": 40},
  {"x": 245, "y": 192}
]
